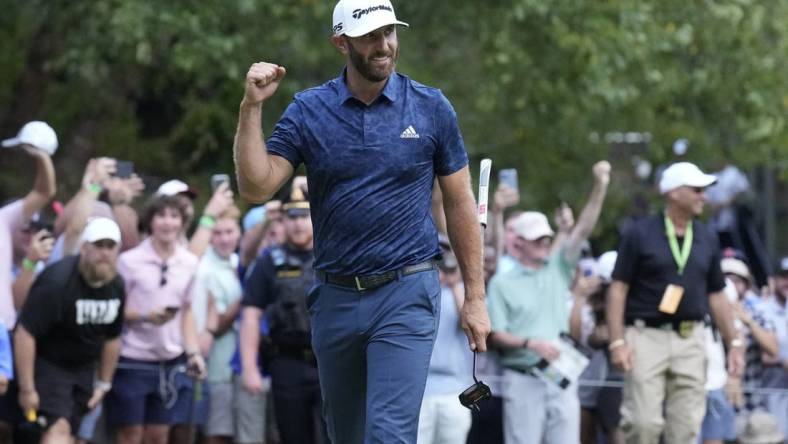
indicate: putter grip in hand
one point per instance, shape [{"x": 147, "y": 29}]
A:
[{"x": 484, "y": 186}]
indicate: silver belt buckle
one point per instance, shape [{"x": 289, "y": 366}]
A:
[{"x": 358, "y": 284}]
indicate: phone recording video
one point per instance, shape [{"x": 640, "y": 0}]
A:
[
  {"x": 124, "y": 169},
  {"x": 218, "y": 179},
  {"x": 508, "y": 177}
]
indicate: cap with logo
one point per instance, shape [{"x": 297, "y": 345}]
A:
[
  {"x": 175, "y": 186},
  {"x": 101, "y": 228},
  {"x": 684, "y": 174},
  {"x": 355, "y": 18},
  {"x": 532, "y": 225},
  {"x": 36, "y": 133},
  {"x": 296, "y": 204}
]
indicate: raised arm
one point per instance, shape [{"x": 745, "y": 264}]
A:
[
  {"x": 79, "y": 208},
  {"x": 44, "y": 187},
  {"x": 590, "y": 214},
  {"x": 504, "y": 197},
  {"x": 259, "y": 175},
  {"x": 465, "y": 236}
]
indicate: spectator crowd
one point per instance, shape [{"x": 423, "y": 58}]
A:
[{"x": 132, "y": 316}]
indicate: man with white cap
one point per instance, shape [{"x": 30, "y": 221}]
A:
[
  {"x": 529, "y": 309},
  {"x": 373, "y": 142},
  {"x": 667, "y": 278},
  {"x": 67, "y": 341}
]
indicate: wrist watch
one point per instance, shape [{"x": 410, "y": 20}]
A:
[{"x": 104, "y": 386}]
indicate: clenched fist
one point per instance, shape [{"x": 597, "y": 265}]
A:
[
  {"x": 262, "y": 80},
  {"x": 601, "y": 171}
]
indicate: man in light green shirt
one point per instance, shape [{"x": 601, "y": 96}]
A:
[
  {"x": 529, "y": 309},
  {"x": 216, "y": 302}
]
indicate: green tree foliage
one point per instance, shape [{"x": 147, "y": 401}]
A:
[{"x": 532, "y": 81}]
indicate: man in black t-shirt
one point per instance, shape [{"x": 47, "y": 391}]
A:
[
  {"x": 71, "y": 321},
  {"x": 666, "y": 280}
]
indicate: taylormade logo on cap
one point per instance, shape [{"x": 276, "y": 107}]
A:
[
  {"x": 355, "y": 18},
  {"x": 357, "y": 13}
]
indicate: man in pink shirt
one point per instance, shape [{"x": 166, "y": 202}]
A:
[
  {"x": 38, "y": 140},
  {"x": 160, "y": 336}
]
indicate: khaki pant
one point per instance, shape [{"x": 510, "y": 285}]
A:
[{"x": 668, "y": 376}]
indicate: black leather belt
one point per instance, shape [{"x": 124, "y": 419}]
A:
[{"x": 372, "y": 281}]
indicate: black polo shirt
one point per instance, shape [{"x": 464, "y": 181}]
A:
[{"x": 646, "y": 264}]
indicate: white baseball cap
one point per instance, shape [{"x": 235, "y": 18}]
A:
[
  {"x": 731, "y": 265},
  {"x": 684, "y": 174},
  {"x": 532, "y": 225},
  {"x": 36, "y": 133},
  {"x": 355, "y": 18},
  {"x": 175, "y": 186},
  {"x": 100, "y": 228}
]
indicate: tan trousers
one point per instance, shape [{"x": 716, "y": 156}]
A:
[{"x": 668, "y": 375}]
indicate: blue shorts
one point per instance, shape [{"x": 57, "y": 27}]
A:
[
  {"x": 718, "y": 424},
  {"x": 148, "y": 392},
  {"x": 196, "y": 411}
]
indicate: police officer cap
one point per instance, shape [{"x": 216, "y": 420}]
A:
[{"x": 297, "y": 203}]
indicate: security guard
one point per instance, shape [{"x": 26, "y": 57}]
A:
[{"x": 277, "y": 288}]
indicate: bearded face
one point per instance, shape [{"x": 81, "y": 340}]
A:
[{"x": 97, "y": 261}]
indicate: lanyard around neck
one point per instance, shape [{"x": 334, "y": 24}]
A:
[{"x": 680, "y": 256}]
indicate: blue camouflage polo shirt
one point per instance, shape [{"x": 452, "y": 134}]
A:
[{"x": 370, "y": 170}]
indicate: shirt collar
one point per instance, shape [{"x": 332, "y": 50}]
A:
[
  {"x": 154, "y": 257},
  {"x": 391, "y": 91}
]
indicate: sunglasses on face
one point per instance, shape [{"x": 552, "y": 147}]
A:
[{"x": 163, "y": 278}]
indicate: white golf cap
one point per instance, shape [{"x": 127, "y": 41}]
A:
[
  {"x": 684, "y": 174},
  {"x": 355, "y": 18},
  {"x": 101, "y": 228},
  {"x": 36, "y": 133},
  {"x": 532, "y": 225},
  {"x": 175, "y": 186},
  {"x": 731, "y": 265}
]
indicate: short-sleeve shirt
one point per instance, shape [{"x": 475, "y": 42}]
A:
[
  {"x": 259, "y": 288},
  {"x": 531, "y": 304},
  {"x": 370, "y": 170},
  {"x": 646, "y": 263},
  {"x": 150, "y": 287},
  {"x": 11, "y": 219},
  {"x": 778, "y": 313},
  {"x": 753, "y": 361},
  {"x": 217, "y": 278},
  {"x": 70, "y": 319}
]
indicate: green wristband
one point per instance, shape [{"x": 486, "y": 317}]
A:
[
  {"x": 27, "y": 264},
  {"x": 95, "y": 188},
  {"x": 207, "y": 221}
]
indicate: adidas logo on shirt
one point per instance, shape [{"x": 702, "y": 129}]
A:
[{"x": 409, "y": 133}]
